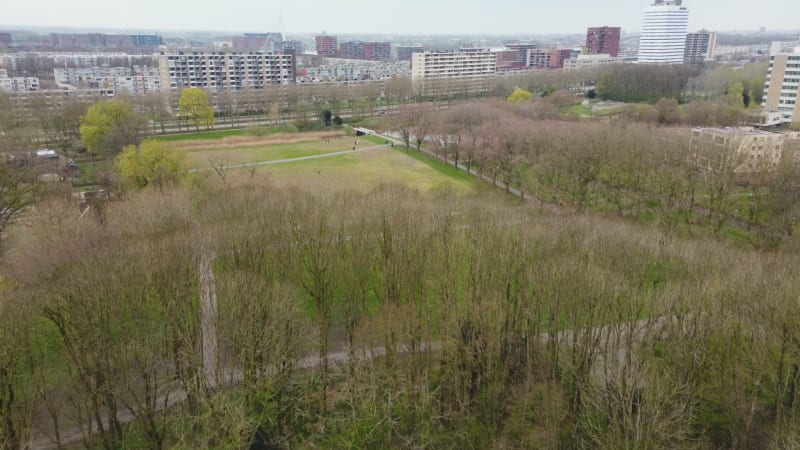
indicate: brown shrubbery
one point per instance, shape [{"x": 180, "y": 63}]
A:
[{"x": 389, "y": 319}]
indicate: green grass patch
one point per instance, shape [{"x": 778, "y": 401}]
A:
[
  {"x": 579, "y": 110},
  {"x": 202, "y": 135},
  {"x": 440, "y": 166}
]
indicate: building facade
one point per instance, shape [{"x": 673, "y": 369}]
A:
[
  {"x": 782, "y": 84},
  {"x": 370, "y": 51},
  {"x": 17, "y": 83},
  {"x": 541, "y": 58},
  {"x": 603, "y": 40},
  {"x": 586, "y": 62},
  {"x": 464, "y": 63},
  {"x": 218, "y": 71},
  {"x": 742, "y": 149},
  {"x": 523, "y": 51},
  {"x": 404, "y": 52},
  {"x": 327, "y": 46},
  {"x": 78, "y": 41},
  {"x": 664, "y": 28},
  {"x": 257, "y": 42},
  {"x": 700, "y": 47},
  {"x": 507, "y": 60}
]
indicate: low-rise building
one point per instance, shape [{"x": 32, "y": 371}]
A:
[
  {"x": 742, "y": 150},
  {"x": 17, "y": 83},
  {"x": 582, "y": 62}
]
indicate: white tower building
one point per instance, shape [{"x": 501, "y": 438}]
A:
[{"x": 664, "y": 29}]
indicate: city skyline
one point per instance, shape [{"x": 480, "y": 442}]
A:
[{"x": 409, "y": 17}]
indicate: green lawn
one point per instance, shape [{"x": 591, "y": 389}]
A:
[
  {"x": 220, "y": 134},
  {"x": 259, "y": 153},
  {"x": 364, "y": 171}
]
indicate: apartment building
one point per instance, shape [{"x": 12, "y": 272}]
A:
[
  {"x": 222, "y": 71},
  {"x": 17, "y": 83},
  {"x": 404, "y": 52},
  {"x": 700, "y": 47},
  {"x": 742, "y": 149},
  {"x": 586, "y": 62},
  {"x": 603, "y": 40},
  {"x": 782, "y": 84},
  {"x": 327, "y": 45},
  {"x": 78, "y": 75},
  {"x": 548, "y": 58},
  {"x": 257, "y": 42},
  {"x": 76, "y": 41},
  {"x": 5, "y": 39},
  {"x": 664, "y": 28},
  {"x": 523, "y": 51},
  {"x": 507, "y": 59},
  {"x": 337, "y": 69},
  {"x": 370, "y": 51},
  {"x": 464, "y": 63},
  {"x": 435, "y": 69}
]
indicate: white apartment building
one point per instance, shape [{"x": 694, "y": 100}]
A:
[
  {"x": 221, "y": 70},
  {"x": 337, "y": 69},
  {"x": 469, "y": 63},
  {"x": 782, "y": 84},
  {"x": 590, "y": 62},
  {"x": 664, "y": 28},
  {"x": 17, "y": 83},
  {"x": 700, "y": 47}
]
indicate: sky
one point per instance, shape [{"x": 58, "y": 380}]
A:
[{"x": 472, "y": 17}]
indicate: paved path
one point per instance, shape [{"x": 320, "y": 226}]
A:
[{"x": 291, "y": 160}]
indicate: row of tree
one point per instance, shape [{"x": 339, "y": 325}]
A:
[{"x": 621, "y": 167}]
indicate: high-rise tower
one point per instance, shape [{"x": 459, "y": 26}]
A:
[{"x": 664, "y": 29}]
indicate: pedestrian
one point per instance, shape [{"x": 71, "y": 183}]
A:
[{"x": 354, "y": 148}]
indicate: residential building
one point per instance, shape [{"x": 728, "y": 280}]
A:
[
  {"x": 548, "y": 58},
  {"x": 351, "y": 50},
  {"x": 77, "y": 41},
  {"x": 257, "y": 42},
  {"x": 5, "y": 39},
  {"x": 219, "y": 71},
  {"x": 404, "y": 52},
  {"x": 338, "y": 69},
  {"x": 297, "y": 46},
  {"x": 743, "y": 149},
  {"x": 86, "y": 75},
  {"x": 522, "y": 53},
  {"x": 603, "y": 40},
  {"x": 582, "y": 62},
  {"x": 782, "y": 84},
  {"x": 507, "y": 59},
  {"x": 17, "y": 83},
  {"x": 146, "y": 40},
  {"x": 664, "y": 29},
  {"x": 370, "y": 51},
  {"x": 700, "y": 47},
  {"x": 378, "y": 51},
  {"x": 327, "y": 45},
  {"x": 472, "y": 63}
]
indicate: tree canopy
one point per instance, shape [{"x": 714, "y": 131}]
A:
[
  {"x": 153, "y": 163},
  {"x": 195, "y": 107},
  {"x": 520, "y": 96},
  {"x": 110, "y": 125}
]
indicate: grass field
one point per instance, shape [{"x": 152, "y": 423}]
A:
[
  {"x": 241, "y": 154},
  {"x": 364, "y": 171}
]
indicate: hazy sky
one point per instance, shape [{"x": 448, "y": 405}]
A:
[{"x": 390, "y": 16}]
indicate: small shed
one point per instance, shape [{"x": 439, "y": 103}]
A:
[{"x": 363, "y": 131}]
